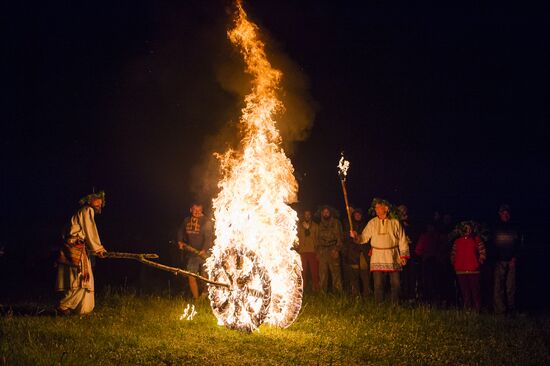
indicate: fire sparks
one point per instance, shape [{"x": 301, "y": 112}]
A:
[
  {"x": 188, "y": 313},
  {"x": 255, "y": 227}
]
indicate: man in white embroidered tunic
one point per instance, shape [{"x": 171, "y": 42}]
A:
[
  {"x": 74, "y": 271},
  {"x": 390, "y": 249}
]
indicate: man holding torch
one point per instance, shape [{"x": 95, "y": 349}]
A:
[{"x": 390, "y": 249}]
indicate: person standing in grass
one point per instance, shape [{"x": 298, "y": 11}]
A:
[
  {"x": 467, "y": 255},
  {"x": 427, "y": 249},
  {"x": 329, "y": 246},
  {"x": 308, "y": 233},
  {"x": 390, "y": 248},
  {"x": 446, "y": 287},
  {"x": 409, "y": 272},
  {"x": 75, "y": 279},
  {"x": 356, "y": 257},
  {"x": 195, "y": 235},
  {"x": 505, "y": 244}
]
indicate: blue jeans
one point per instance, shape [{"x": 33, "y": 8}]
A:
[{"x": 379, "y": 282}]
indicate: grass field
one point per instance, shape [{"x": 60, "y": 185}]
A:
[{"x": 129, "y": 330}]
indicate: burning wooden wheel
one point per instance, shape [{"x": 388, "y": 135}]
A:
[
  {"x": 285, "y": 310},
  {"x": 245, "y": 303}
]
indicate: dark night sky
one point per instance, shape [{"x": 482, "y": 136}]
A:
[{"x": 438, "y": 107}]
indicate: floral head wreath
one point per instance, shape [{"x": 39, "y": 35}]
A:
[
  {"x": 392, "y": 213},
  {"x": 88, "y": 199},
  {"x": 477, "y": 230}
]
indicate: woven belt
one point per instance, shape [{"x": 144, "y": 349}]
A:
[{"x": 385, "y": 248}]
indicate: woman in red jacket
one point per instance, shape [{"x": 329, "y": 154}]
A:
[{"x": 467, "y": 255}]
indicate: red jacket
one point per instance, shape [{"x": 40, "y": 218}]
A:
[{"x": 467, "y": 254}]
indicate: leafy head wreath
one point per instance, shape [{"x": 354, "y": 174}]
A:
[
  {"x": 392, "y": 213},
  {"x": 86, "y": 200}
]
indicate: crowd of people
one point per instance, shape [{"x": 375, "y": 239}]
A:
[
  {"x": 444, "y": 264},
  {"x": 381, "y": 257}
]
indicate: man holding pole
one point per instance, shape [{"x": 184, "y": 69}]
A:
[
  {"x": 390, "y": 249},
  {"x": 195, "y": 236},
  {"x": 75, "y": 279}
]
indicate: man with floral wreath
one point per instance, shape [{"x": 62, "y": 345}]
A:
[
  {"x": 75, "y": 279},
  {"x": 389, "y": 248}
]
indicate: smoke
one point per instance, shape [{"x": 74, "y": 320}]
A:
[
  {"x": 206, "y": 173},
  {"x": 294, "y": 123}
]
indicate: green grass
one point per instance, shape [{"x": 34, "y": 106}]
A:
[{"x": 125, "y": 329}]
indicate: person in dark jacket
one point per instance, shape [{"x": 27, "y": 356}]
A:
[
  {"x": 195, "y": 236},
  {"x": 505, "y": 243},
  {"x": 329, "y": 245},
  {"x": 356, "y": 257}
]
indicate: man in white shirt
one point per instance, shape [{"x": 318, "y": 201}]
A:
[
  {"x": 390, "y": 249},
  {"x": 75, "y": 279}
]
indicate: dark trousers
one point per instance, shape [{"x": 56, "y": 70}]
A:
[
  {"x": 445, "y": 283},
  {"x": 328, "y": 262},
  {"x": 505, "y": 287},
  {"x": 359, "y": 276},
  {"x": 379, "y": 285},
  {"x": 429, "y": 279},
  {"x": 409, "y": 281},
  {"x": 310, "y": 265},
  {"x": 471, "y": 290}
]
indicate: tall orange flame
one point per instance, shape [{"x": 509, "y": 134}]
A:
[{"x": 255, "y": 226}]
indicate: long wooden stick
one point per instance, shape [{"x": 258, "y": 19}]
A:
[
  {"x": 190, "y": 249},
  {"x": 176, "y": 271},
  {"x": 347, "y": 204},
  {"x": 136, "y": 256}
]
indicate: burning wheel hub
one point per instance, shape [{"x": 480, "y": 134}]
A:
[{"x": 244, "y": 305}]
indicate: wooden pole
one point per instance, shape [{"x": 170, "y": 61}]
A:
[
  {"x": 347, "y": 204},
  {"x": 142, "y": 258}
]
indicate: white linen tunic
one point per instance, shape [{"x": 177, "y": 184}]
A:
[
  {"x": 79, "y": 293},
  {"x": 388, "y": 242}
]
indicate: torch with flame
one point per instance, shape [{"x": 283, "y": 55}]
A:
[
  {"x": 255, "y": 227},
  {"x": 343, "y": 166}
]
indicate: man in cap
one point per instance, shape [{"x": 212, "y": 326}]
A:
[{"x": 75, "y": 279}]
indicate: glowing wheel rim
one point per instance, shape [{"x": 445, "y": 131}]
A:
[
  {"x": 244, "y": 305},
  {"x": 285, "y": 310},
  {"x": 295, "y": 302}
]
